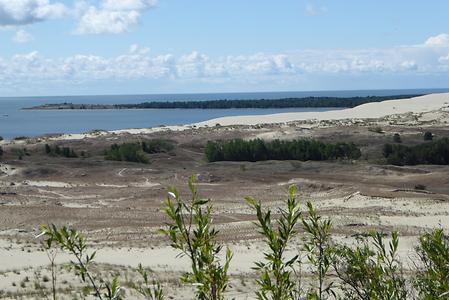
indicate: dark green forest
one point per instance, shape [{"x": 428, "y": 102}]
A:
[
  {"x": 259, "y": 150},
  {"x": 434, "y": 153},
  {"x": 266, "y": 103}
]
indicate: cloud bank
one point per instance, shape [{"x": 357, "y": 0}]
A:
[{"x": 431, "y": 58}]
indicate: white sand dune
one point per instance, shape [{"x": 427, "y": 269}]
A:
[{"x": 420, "y": 104}]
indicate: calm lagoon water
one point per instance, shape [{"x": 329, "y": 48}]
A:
[{"x": 17, "y": 122}]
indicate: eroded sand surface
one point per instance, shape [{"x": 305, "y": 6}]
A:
[{"x": 118, "y": 204}]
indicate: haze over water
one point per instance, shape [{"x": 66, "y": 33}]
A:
[{"x": 16, "y": 122}]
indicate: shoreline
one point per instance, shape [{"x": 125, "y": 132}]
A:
[{"x": 369, "y": 112}]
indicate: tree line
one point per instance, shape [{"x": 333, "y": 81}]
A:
[
  {"x": 343, "y": 102},
  {"x": 260, "y": 150},
  {"x": 267, "y": 103},
  {"x": 434, "y": 152}
]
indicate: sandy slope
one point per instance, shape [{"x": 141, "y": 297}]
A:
[{"x": 421, "y": 104}]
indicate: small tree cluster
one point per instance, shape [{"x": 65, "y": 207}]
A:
[
  {"x": 60, "y": 151},
  {"x": 259, "y": 150},
  {"x": 131, "y": 152},
  {"x": 435, "y": 152},
  {"x": 135, "y": 152}
]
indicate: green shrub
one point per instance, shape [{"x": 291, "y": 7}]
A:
[
  {"x": 1, "y": 151},
  {"x": 428, "y": 136},
  {"x": 73, "y": 242},
  {"x": 277, "y": 272},
  {"x": 126, "y": 152},
  {"x": 157, "y": 146},
  {"x": 320, "y": 253},
  {"x": 58, "y": 151},
  {"x": 432, "y": 280},
  {"x": 191, "y": 232},
  {"x": 397, "y": 138},
  {"x": 259, "y": 150},
  {"x": 435, "y": 152},
  {"x": 370, "y": 270},
  {"x": 376, "y": 129}
]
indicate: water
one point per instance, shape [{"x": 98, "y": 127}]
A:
[{"x": 16, "y": 122}]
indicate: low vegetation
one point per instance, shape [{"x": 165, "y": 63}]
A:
[
  {"x": 434, "y": 152},
  {"x": 136, "y": 152},
  {"x": 259, "y": 150},
  {"x": 428, "y": 136},
  {"x": 369, "y": 269},
  {"x": 60, "y": 151}
]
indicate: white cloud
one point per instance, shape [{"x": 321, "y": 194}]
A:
[
  {"x": 22, "y": 12},
  {"x": 111, "y": 16},
  {"x": 139, "y": 63},
  {"x": 22, "y": 37},
  {"x": 312, "y": 10},
  {"x": 441, "y": 40}
]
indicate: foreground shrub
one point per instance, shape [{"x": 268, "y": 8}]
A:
[
  {"x": 259, "y": 150},
  {"x": 370, "y": 270},
  {"x": 320, "y": 253},
  {"x": 432, "y": 279},
  {"x": 190, "y": 231},
  {"x": 73, "y": 242},
  {"x": 277, "y": 272},
  {"x": 435, "y": 152}
]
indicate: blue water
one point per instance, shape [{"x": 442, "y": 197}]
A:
[{"x": 17, "y": 122}]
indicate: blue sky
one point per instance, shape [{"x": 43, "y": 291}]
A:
[{"x": 56, "y": 47}]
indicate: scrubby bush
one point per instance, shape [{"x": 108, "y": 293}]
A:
[
  {"x": 191, "y": 232},
  {"x": 397, "y": 138},
  {"x": 58, "y": 151},
  {"x": 1, "y": 138},
  {"x": 157, "y": 146},
  {"x": 278, "y": 273},
  {"x": 135, "y": 152},
  {"x": 428, "y": 136},
  {"x": 126, "y": 152},
  {"x": 376, "y": 129},
  {"x": 1, "y": 151},
  {"x": 259, "y": 150},
  {"x": 432, "y": 280},
  {"x": 435, "y": 152},
  {"x": 370, "y": 270}
]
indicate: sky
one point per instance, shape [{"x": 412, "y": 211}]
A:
[{"x": 85, "y": 47}]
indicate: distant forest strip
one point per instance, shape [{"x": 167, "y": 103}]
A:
[
  {"x": 347, "y": 102},
  {"x": 260, "y": 150}
]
